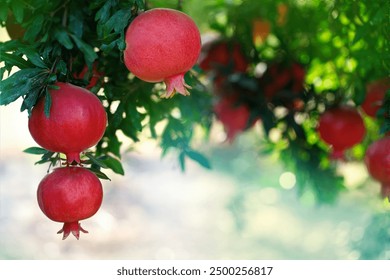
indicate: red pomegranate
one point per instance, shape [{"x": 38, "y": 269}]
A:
[
  {"x": 234, "y": 117},
  {"x": 279, "y": 78},
  {"x": 162, "y": 45},
  {"x": 77, "y": 121},
  {"x": 341, "y": 127},
  {"x": 93, "y": 79},
  {"x": 68, "y": 195},
  {"x": 377, "y": 160},
  {"x": 375, "y": 94},
  {"x": 222, "y": 55}
]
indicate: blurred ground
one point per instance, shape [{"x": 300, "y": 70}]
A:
[{"x": 238, "y": 210}]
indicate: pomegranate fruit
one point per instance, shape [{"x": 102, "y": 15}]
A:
[
  {"x": 77, "y": 121},
  {"x": 375, "y": 94},
  {"x": 162, "y": 45},
  {"x": 279, "y": 77},
  {"x": 94, "y": 79},
  {"x": 233, "y": 116},
  {"x": 68, "y": 195},
  {"x": 221, "y": 55},
  {"x": 377, "y": 160},
  {"x": 341, "y": 127}
]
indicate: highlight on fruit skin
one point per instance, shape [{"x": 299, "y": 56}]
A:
[{"x": 170, "y": 48}]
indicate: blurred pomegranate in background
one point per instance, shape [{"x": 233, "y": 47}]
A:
[
  {"x": 377, "y": 160},
  {"x": 223, "y": 56},
  {"x": 94, "y": 78},
  {"x": 342, "y": 128},
  {"x": 234, "y": 116},
  {"x": 375, "y": 95}
]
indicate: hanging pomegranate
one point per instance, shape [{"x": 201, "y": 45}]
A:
[
  {"x": 234, "y": 117},
  {"x": 375, "y": 94},
  {"x": 223, "y": 56},
  {"x": 342, "y": 128},
  {"x": 69, "y": 195},
  {"x": 162, "y": 45},
  {"x": 77, "y": 121},
  {"x": 377, "y": 160}
]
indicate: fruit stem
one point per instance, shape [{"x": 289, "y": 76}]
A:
[
  {"x": 337, "y": 155},
  {"x": 176, "y": 84}
]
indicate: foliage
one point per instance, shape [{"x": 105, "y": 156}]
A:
[{"x": 60, "y": 38}]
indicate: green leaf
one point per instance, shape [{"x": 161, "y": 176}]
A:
[
  {"x": 104, "y": 13},
  {"x": 199, "y": 158},
  {"x": 96, "y": 161},
  {"x": 15, "y": 60},
  {"x": 34, "y": 28},
  {"x": 18, "y": 10},
  {"x": 182, "y": 161},
  {"x": 115, "y": 165},
  {"x": 34, "y": 57},
  {"x": 20, "y": 83},
  {"x": 119, "y": 21},
  {"x": 35, "y": 151},
  {"x": 3, "y": 12},
  {"x": 89, "y": 54},
  {"x": 140, "y": 4},
  {"x": 99, "y": 174},
  {"x": 63, "y": 38},
  {"x": 76, "y": 23},
  {"x": 62, "y": 68}
]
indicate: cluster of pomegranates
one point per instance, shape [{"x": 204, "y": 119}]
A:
[
  {"x": 237, "y": 107},
  {"x": 282, "y": 84},
  {"x": 343, "y": 127},
  {"x": 77, "y": 119},
  {"x": 76, "y": 122}
]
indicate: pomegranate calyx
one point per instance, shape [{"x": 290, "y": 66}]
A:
[
  {"x": 176, "y": 84},
  {"x": 72, "y": 227},
  {"x": 338, "y": 155},
  {"x": 73, "y": 157},
  {"x": 385, "y": 190}
]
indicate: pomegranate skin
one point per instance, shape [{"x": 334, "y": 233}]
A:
[
  {"x": 234, "y": 117},
  {"x": 77, "y": 121},
  {"x": 223, "y": 54},
  {"x": 377, "y": 160},
  {"x": 68, "y": 195},
  {"x": 162, "y": 45},
  {"x": 375, "y": 95},
  {"x": 342, "y": 128}
]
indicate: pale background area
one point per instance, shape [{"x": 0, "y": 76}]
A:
[{"x": 244, "y": 208}]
